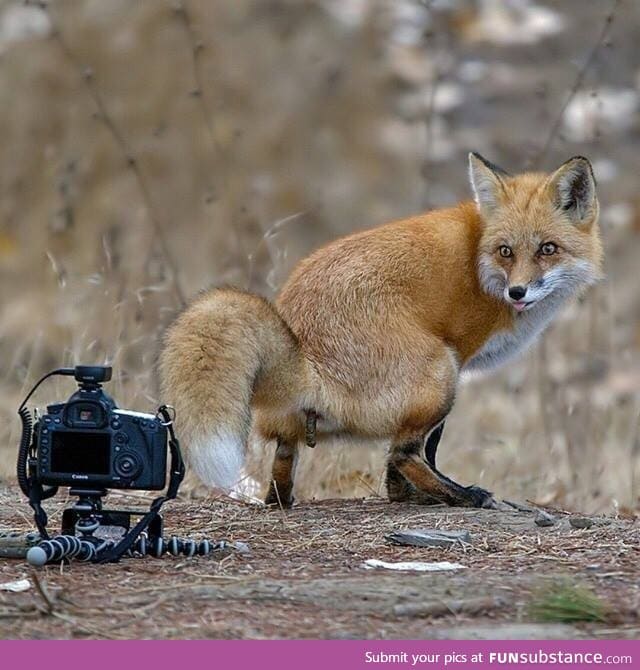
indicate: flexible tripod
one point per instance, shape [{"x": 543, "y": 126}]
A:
[{"x": 86, "y": 515}]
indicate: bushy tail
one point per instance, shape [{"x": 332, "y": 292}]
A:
[{"x": 215, "y": 356}]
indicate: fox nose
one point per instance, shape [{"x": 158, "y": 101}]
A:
[{"x": 517, "y": 292}]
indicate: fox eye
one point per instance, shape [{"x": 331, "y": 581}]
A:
[
  {"x": 548, "y": 248},
  {"x": 505, "y": 251}
]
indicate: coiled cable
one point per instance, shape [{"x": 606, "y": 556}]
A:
[{"x": 23, "y": 450}]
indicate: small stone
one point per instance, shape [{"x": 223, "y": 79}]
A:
[
  {"x": 544, "y": 519},
  {"x": 241, "y": 547},
  {"x": 425, "y": 537},
  {"x": 581, "y": 522}
]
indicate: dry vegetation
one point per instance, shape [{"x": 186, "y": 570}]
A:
[
  {"x": 154, "y": 148},
  {"x": 304, "y": 578}
]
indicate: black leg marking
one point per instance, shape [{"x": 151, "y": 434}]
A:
[{"x": 432, "y": 444}]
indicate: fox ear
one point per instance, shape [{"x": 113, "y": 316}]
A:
[
  {"x": 573, "y": 189},
  {"x": 486, "y": 182}
]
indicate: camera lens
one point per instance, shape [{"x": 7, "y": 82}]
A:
[{"x": 127, "y": 465}]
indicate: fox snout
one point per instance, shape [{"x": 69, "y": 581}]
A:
[
  {"x": 522, "y": 289},
  {"x": 517, "y": 295},
  {"x": 517, "y": 292},
  {"x": 523, "y": 294}
]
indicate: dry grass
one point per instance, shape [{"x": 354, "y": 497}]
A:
[
  {"x": 228, "y": 139},
  {"x": 304, "y": 576}
]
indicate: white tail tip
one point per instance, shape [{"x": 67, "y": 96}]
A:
[{"x": 217, "y": 458}]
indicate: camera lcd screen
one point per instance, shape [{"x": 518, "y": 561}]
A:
[{"x": 81, "y": 453}]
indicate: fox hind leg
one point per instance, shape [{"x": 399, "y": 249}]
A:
[
  {"x": 400, "y": 489},
  {"x": 413, "y": 458},
  {"x": 417, "y": 435},
  {"x": 282, "y": 474}
]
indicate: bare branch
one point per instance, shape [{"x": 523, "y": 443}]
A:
[
  {"x": 577, "y": 84},
  {"x": 197, "y": 47},
  {"x": 132, "y": 162}
]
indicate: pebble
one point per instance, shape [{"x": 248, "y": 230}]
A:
[
  {"x": 581, "y": 522},
  {"x": 544, "y": 519},
  {"x": 241, "y": 547}
]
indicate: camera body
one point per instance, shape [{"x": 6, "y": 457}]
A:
[{"x": 89, "y": 442}]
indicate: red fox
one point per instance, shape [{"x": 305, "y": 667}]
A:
[{"x": 372, "y": 331}]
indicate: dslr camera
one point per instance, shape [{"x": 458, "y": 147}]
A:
[{"x": 89, "y": 442}]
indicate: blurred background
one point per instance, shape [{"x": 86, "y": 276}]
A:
[{"x": 154, "y": 148}]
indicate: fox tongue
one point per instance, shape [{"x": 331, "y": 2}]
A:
[{"x": 519, "y": 306}]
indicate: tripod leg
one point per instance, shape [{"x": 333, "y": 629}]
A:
[{"x": 69, "y": 519}]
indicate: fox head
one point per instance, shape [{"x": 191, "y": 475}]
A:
[{"x": 540, "y": 234}]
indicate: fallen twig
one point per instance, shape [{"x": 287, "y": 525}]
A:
[{"x": 42, "y": 592}]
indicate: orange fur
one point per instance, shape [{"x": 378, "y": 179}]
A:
[{"x": 372, "y": 330}]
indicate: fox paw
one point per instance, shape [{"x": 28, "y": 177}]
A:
[
  {"x": 478, "y": 497},
  {"x": 277, "y": 499}
]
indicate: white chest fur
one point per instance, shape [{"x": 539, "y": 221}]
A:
[{"x": 504, "y": 345}]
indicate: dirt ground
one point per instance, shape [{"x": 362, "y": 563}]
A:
[{"x": 304, "y": 576}]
